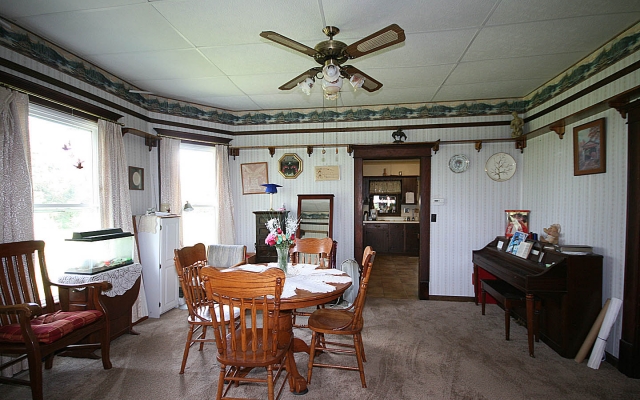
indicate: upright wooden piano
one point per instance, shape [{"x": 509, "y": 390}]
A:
[{"x": 568, "y": 285}]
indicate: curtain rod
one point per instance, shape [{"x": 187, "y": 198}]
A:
[
  {"x": 17, "y": 89},
  {"x": 163, "y": 135}
]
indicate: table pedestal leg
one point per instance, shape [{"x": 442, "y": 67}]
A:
[
  {"x": 530, "y": 321},
  {"x": 297, "y": 383}
]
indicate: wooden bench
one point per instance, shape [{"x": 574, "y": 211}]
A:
[{"x": 507, "y": 297}]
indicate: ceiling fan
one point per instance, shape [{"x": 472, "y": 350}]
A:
[{"x": 332, "y": 54}]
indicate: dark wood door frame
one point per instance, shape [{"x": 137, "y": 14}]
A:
[
  {"x": 629, "y": 351},
  {"x": 421, "y": 151}
]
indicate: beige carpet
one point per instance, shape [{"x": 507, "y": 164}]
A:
[{"x": 415, "y": 350}]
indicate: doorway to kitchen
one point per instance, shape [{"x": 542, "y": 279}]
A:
[{"x": 395, "y": 216}]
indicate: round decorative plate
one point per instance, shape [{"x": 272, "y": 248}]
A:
[
  {"x": 458, "y": 163},
  {"x": 500, "y": 167}
]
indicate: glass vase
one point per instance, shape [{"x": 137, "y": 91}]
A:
[{"x": 283, "y": 254}]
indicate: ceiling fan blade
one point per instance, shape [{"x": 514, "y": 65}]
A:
[
  {"x": 294, "y": 82},
  {"x": 292, "y": 44},
  {"x": 385, "y": 37},
  {"x": 370, "y": 84}
]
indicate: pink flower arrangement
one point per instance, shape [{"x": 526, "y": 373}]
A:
[{"x": 279, "y": 238}]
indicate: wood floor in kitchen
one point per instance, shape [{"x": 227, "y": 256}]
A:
[{"x": 394, "y": 277}]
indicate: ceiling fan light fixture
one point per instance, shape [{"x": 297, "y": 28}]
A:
[
  {"x": 332, "y": 88},
  {"x": 356, "y": 81},
  {"x": 331, "y": 72},
  {"x": 306, "y": 86}
]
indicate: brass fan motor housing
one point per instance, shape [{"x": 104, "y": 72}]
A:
[{"x": 330, "y": 49}]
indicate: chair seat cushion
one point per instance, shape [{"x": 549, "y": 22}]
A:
[{"x": 51, "y": 327}]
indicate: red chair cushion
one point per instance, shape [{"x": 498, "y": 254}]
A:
[{"x": 50, "y": 327}]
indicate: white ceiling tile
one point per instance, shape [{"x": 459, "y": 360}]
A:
[
  {"x": 510, "y": 12},
  {"x": 233, "y": 103},
  {"x": 544, "y": 67},
  {"x": 113, "y": 30},
  {"x": 486, "y": 90},
  {"x": 545, "y": 37},
  {"x": 22, "y": 8},
  {"x": 258, "y": 58},
  {"x": 209, "y": 23},
  {"x": 187, "y": 63},
  {"x": 288, "y": 100},
  {"x": 190, "y": 88},
  {"x": 408, "y": 77}
]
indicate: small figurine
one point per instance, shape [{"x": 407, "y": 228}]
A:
[
  {"x": 553, "y": 232},
  {"x": 516, "y": 125},
  {"x": 398, "y": 136}
]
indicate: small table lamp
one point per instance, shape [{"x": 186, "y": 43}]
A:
[{"x": 271, "y": 188}]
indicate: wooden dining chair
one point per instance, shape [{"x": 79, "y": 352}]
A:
[
  {"x": 32, "y": 328},
  {"x": 311, "y": 251},
  {"x": 257, "y": 340},
  {"x": 189, "y": 262},
  {"x": 342, "y": 322}
]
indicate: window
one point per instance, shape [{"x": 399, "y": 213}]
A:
[
  {"x": 197, "y": 185},
  {"x": 65, "y": 181}
]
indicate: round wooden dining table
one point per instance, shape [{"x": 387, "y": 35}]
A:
[{"x": 302, "y": 299}]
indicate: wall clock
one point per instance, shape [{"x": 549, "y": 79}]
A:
[
  {"x": 500, "y": 167},
  {"x": 458, "y": 163}
]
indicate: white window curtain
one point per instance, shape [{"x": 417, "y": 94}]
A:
[
  {"x": 16, "y": 197},
  {"x": 170, "y": 176},
  {"x": 226, "y": 231},
  {"x": 115, "y": 200}
]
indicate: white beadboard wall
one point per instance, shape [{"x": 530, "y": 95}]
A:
[{"x": 591, "y": 209}]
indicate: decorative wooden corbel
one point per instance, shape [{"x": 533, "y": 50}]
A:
[
  {"x": 151, "y": 142},
  {"x": 521, "y": 143},
  {"x": 618, "y": 103},
  {"x": 478, "y": 145},
  {"x": 234, "y": 152},
  {"x": 558, "y": 128},
  {"x": 272, "y": 151},
  {"x": 309, "y": 150},
  {"x": 436, "y": 146},
  {"x": 349, "y": 149}
]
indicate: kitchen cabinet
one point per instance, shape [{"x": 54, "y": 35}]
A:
[
  {"x": 158, "y": 267},
  {"x": 377, "y": 236},
  {"x": 393, "y": 238}
]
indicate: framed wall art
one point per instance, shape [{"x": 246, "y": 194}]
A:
[
  {"x": 589, "y": 149},
  {"x": 136, "y": 178},
  {"x": 253, "y": 176},
  {"x": 290, "y": 166}
]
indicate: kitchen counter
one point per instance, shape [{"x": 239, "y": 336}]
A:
[{"x": 393, "y": 221}]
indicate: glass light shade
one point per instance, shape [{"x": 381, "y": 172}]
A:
[
  {"x": 188, "y": 206},
  {"x": 356, "y": 81},
  {"x": 306, "y": 86},
  {"x": 331, "y": 73}
]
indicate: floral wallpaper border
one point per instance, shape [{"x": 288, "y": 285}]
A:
[{"x": 49, "y": 54}]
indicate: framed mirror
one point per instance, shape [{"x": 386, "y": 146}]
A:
[{"x": 315, "y": 212}]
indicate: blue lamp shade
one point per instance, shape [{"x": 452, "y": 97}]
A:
[{"x": 271, "y": 188}]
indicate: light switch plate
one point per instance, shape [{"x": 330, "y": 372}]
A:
[{"x": 437, "y": 201}]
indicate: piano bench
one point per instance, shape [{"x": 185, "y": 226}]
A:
[{"x": 507, "y": 296}]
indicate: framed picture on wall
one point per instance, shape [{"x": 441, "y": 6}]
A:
[
  {"x": 136, "y": 178},
  {"x": 253, "y": 176},
  {"x": 589, "y": 148},
  {"x": 290, "y": 166}
]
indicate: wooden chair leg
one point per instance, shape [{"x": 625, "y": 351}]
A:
[
  {"x": 312, "y": 354},
  {"x": 105, "y": 348},
  {"x": 187, "y": 346},
  {"x": 35, "y": 374},
  {"x": 202, "y": 336},
  {"x": 357, "y": 340},
  {"x": 483, "y": 299}
]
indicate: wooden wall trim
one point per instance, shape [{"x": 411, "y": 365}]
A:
[{"x": 629, "y": 351}]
